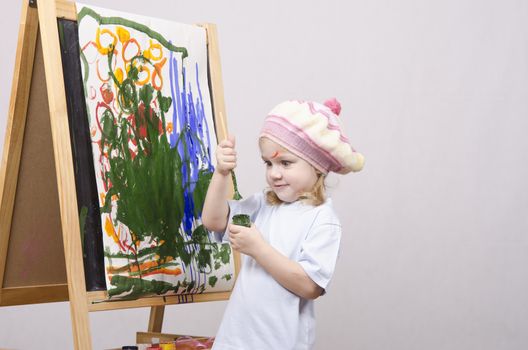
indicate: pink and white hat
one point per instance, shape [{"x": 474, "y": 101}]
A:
[{"x": 313, "y": 132}]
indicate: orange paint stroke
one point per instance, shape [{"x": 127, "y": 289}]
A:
[
  {"x": 276, "y": 154},
  {"x": 163, "y": 271},
  {"x": 144, "y": 267},
  {"x": 99, "y": 72},
  {"x": 106, "y": 93},
  {"x": 134, "y": 268},
  {"x": 175, "y": 272},
  {"x": 157, "y": 73},
  {"x": 85, "y": 47},
  {"x": 125, "y": 46},
  {"x": 101, "y": 67}
]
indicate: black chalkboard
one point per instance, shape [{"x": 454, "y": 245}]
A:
[{"x": 86, "y": 187}]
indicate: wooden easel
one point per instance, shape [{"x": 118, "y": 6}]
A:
[{"x": 38, "y": 202}]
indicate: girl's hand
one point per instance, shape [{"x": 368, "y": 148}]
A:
[
  {"x": 247, "y": 240},
  {"x": 226, "y": 156}
]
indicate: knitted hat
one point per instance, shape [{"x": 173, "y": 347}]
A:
[{"x": 312, "y": 131}]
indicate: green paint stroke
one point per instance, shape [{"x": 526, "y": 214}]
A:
[
  {"x": 242, "y": 220},
  {"x": 128, "y": 23},
  {"x": 236, "y": 194},
  {"x": 82, "y": 223}
]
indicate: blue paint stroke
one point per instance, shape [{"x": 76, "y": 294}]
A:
[
  {"x": 203, "y": 121},
  {"x": 190, "y": 127}
]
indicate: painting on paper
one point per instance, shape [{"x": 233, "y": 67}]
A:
[{"x": 152, "y": 134}]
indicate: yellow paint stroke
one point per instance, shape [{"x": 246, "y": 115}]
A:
[
  {"x": 119, "y": 75},
  {"x": 169, "y": 127},
  {"x": 146, "y": 70},
  {"x": 123, "y": 34},
  {"x": 149, "y": 53},
  {"x": 104, "y": 50},
  {"x": 110, "y": 230}
]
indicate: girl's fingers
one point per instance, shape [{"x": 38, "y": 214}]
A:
[
  {"x": 228, "y": 158},
  {"x": 226, "y": 143},
  {"x": 231, "y": 139},
  {"x": 235, "y": 228},
  {"x": 225, "y": 153},
  {"x": 233, "y": 243}
]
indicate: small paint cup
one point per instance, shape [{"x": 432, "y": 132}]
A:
[
  {"x": 242, "y": 220},
  {"x": 168, "y": 346}
]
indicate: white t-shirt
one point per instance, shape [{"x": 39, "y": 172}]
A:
[{"x": 261, "y": 314}]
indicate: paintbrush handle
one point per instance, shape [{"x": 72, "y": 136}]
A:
[{"x": 236, "y": 194}]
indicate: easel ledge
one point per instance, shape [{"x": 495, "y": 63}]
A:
[
  {"x": 43, "y": 19},
  {"x": 97, "y": 301}
]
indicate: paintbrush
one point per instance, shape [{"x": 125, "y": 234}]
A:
[{"x": 236, "y": 194}]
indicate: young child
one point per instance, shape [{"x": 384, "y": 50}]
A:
[{"x": 291, "y": 248}]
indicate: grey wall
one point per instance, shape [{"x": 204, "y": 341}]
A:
[{"x": 435, "y": 94}]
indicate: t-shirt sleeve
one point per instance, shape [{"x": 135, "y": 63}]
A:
[
  {"x": 249, "y": 206},
  {"x": 320, "y": 249}
]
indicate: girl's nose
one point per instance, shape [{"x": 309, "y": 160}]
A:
[{"x": 275, "y": 173}]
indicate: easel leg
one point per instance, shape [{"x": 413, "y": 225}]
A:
[
  {"x": 49, "y": 33},
  {"x": 156, "y": 318},
  {"x": 27, "y": 40}
]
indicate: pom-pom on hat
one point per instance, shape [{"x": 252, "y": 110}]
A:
[{"x": 313, "y": 132}]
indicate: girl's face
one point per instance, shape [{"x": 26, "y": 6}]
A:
[{"x": 288, "y": 175}]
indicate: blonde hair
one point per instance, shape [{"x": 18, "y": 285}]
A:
[{"x": 314, "y": 197}]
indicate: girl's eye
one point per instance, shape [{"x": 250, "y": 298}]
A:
[
  {"x": 285, "y": 162},
  {"x": 267, "y": 162}
]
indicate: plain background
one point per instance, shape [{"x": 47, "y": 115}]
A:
[{"x": 435, "y": 94}]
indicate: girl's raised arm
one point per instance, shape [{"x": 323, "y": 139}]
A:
[{"x": 215, "y": 211}]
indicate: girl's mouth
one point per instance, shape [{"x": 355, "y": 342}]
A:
[{"x": 280, "y": 186}]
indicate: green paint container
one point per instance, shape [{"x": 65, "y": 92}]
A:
[{"x": 242, "y": 220}]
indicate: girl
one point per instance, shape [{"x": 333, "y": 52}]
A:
[{"x": 291, "y": 248}]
